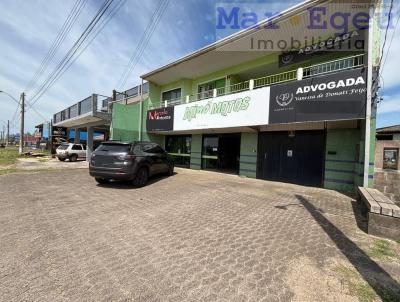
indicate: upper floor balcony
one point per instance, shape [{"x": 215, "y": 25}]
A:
[
  {"x": 331, "y": 66},
  {"x": 89, "y": 111}
]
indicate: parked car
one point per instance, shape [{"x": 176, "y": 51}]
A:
[
  {"x": 70, "y": 151},
  {"x": 134, "y": 161}
]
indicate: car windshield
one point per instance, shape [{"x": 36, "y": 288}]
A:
[
  {"x": 63, "y": 147},
  {"x": 114, "y": 147}
]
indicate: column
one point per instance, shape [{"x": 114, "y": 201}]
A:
[
  {"x": 77, "y": 138},
  {"x": 89, "y": 142}
]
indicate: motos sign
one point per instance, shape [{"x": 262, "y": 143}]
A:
[
  {"x": 248, "y": 108},
  {"x": 337, "y": 96}
]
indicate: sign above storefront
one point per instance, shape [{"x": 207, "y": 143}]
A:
[
  {"x": 337, "y": 96},
  {"x": 160, "y": 119},
  {"x": 248, "y": 108},
  {"x": 350, "y": 42}
]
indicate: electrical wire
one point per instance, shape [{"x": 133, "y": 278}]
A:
[
  {"x": 390, "y": 44},
  {"x": 142, "y": 44},
  {"x": 62, "y": 34},
  {"x": 77, "y": 45},
  {"x": 104, "y": 22},
  {"x": 386, "y": 32}
]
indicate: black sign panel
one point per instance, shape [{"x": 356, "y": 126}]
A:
[
  {"x": 160, "y": 119},
  {"x": 337, "y": 96},
  {"x": 59, "y": 131},
  {"x": 348, "y": 42}
]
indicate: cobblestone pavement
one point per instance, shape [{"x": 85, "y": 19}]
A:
[{"x": 195, "y": 236}]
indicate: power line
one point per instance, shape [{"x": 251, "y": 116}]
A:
[
  {"x": 390, "y": 44},
  {"x": 144, "y": 40},
  {"x": 386, "y": 32},
  {"x": 104, "y": 22},
  {"x": 65, "y": 29},
  {"x": 70, "y": 54}
]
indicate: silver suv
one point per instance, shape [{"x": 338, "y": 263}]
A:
[{"x": 71, "y": 151}]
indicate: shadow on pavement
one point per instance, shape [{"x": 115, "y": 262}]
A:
[
  {"x": 127, "y": 185},
  {"x": 371, "y": 272}
]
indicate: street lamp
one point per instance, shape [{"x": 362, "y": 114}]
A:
[{"x": 21, "y": 134}]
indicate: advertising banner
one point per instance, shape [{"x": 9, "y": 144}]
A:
[
  {"x": 248, "y": 108},
  {"x": 350, "y": 42},
  {"x": 160, "y": 119},
  {"x": 336, "y": 96}
]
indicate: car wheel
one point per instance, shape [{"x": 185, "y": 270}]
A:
[
  {"x": 141, "y": 177},
  {"x": 73, "y": 157},
  {"x": 171, "y": 170},
  {"x": 101, "y": 181},
  {"x": 61, "y": 159}
]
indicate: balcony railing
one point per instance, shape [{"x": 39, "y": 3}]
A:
[
  {"x": 333, "y": 66},
  {"x": 275, "y": 79},
  {"x": 93, "y": 103},
  {"x": 292, "y": 75},
  {"x": 173, "y": 102}
]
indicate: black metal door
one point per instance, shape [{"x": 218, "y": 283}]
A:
[{"x": 297, "y": 158}]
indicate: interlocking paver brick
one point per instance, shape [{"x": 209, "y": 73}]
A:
[{"x": 195, "y": 236}]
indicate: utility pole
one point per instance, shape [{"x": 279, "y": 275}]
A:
[
  {"x": 21, "y": 134},
  {"x": 8, "y": 132}
]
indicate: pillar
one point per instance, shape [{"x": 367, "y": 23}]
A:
[
  {"x": 89, "y": 142},
  {"x": 77, "y": 138}
]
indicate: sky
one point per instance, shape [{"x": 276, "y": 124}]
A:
[{"x": 28, "y": 28}]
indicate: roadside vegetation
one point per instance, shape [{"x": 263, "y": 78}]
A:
[{"x": 9, "y": 156}]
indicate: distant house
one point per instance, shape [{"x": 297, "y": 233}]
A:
[{"x": 387, "y": 148}]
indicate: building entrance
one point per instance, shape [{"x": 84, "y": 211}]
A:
[
  {"x": 221, "y": 152},
  {"x": 296, "y": 157}
]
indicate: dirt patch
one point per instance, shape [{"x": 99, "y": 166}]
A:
[
  {"x": 309, "y": 282},
  {"x": 336, "y": 281}
]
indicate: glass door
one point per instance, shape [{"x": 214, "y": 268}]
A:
[
  {"x": 221, "y": 152},
  {"x": 210, "y": 152}
]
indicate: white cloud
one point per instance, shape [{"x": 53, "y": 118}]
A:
[{"x": 390, "y": 104}]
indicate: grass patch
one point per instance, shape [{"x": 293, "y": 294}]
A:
[
  {"x": 7, "y": 171},
  {"x": 382, "y": 249},
  {"x": 362, "y": 290},
  {"x": 9, "y": 156}
]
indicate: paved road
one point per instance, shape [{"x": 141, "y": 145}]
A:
[{"x": 195, "y": 236}]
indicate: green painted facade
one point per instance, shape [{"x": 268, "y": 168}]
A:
[
  {"x": 341, "y": 158},
  {"x": 344, "y": 152}
]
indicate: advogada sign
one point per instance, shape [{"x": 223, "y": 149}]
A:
[{"x": 337, "y": 96}]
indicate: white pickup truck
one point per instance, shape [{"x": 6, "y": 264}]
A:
[{"x": 71, "y": 151}]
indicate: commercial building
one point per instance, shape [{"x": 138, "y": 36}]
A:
[
  {"x": 89, "y": 120},
  {"x": 387, "y": 148},
  {"x": 387, "y": 162},
  {"x": 302, "y": 113}
]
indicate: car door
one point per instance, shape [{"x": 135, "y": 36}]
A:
[
  {"x": 83, "y": 153},
  {"x": 77, "y": 149},
  {"x": 161, "y": 158},
  {"x": 156, "y": 157}
]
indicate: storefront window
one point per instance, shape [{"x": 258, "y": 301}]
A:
[
  {"x": 390, "y": 158},
  {"x": 179, "y": 147}
]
